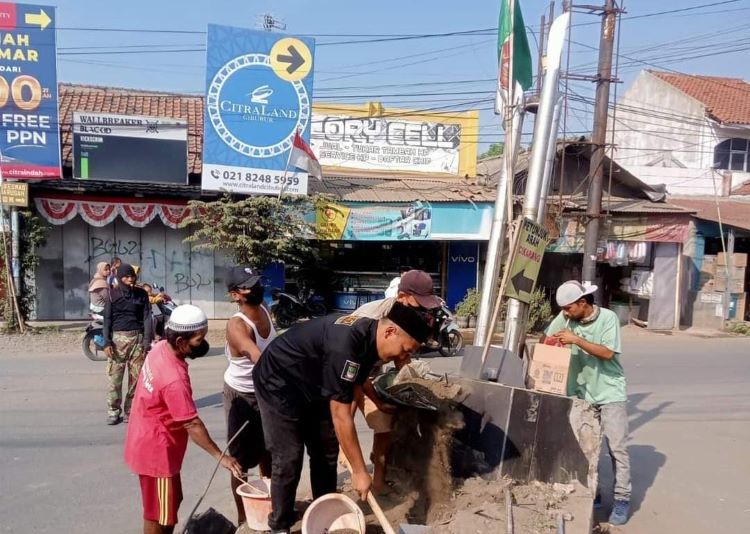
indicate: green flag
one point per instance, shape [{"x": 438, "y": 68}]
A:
[{"x": 517, "y": 48}]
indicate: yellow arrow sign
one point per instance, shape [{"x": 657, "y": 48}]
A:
[{"x": 41, "y": 19}]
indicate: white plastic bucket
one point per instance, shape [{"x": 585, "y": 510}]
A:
[
  {"x": 256, "y": 499},
  {"x": 333, "y": 512}
]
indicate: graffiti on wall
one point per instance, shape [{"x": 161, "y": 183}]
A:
[{"x": 178, "y": 264}]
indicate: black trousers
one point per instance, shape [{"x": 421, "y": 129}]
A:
[{"x": 286, "y": 438}]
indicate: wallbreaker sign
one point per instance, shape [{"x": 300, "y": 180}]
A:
[
  {"x": 258, "y": 94},
  {"x": 527, "y": 259},
  {"x": 129, "y": 148},
  {"x": 29, "y": 128}
]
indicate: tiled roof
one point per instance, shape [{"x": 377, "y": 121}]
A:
[
  {"x": 380, "y": 189},
  {"x": 734, "y": 212},
  {"x": 132, "y": 102},
  {"x": 628, "y": 205},
  {"x": 727, "y": 100}
]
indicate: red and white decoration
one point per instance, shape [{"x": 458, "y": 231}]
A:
[
  {"x": 100, "y": 213},
  {"x": 303, "y": 157}
]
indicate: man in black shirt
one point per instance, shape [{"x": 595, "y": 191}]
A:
[
  {"x": 305, "y": 383},
  {"x": 127, "y": 332}
]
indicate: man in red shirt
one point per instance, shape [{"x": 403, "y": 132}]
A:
[{"x": 164, "y": 415}]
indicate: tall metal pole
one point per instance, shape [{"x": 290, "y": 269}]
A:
[
  {"x": 598, "y": 141},
  {"x": 498, "y": 234},
  {"x": 504, "y": 196},
  {"x": 535, "y": 194},
  {"x": 549, "y": 162}
]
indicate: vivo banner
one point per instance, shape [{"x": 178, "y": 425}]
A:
[
  {"x": 386, "y": 144},
  {"x": 463, "y": 270}
]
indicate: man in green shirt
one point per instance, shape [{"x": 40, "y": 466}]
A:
[{"x": 596, "y": 375}]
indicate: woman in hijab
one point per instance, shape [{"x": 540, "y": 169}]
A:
[{"x": 98, "y": 287}]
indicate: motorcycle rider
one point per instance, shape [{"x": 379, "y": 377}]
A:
[{"x": 127, "y": 331}]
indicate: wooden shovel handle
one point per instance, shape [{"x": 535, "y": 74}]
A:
[{"x": 378, "y": 511}]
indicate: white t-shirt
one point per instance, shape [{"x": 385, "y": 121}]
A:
[
  {"x": 376, "y": 309},
  {"x": 392, "y": 290},
  {"x": 239, "y": 374}
]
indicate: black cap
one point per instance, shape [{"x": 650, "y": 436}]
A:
[
  {"x": 125, "y": 269},
  {"x": 242, "y": 278},
  {"x": 411, "y": 321}
]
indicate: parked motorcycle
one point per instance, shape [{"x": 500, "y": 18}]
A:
[
  {"x": 447, "y": 338},
  {"x": 287, "y": 309},
  {"x": 93, "y": 341}
]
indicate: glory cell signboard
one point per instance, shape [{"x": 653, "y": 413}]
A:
[
  {"x": 386, "y": 144},
  {"x": 258, "y": 95},
  {"x": 29, "y": 135}
]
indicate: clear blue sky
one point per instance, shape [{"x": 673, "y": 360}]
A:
[{"x": 363, "y": 69}]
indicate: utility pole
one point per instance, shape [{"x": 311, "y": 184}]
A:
[{"x": 598, "y": 141}]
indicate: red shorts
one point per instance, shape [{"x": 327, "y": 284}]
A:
[{"x": 161, "y": 498}]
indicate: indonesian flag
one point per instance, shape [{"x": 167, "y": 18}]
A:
[
  {"x": 511, "y": 41},
  {"x": 303, "y": 158}
]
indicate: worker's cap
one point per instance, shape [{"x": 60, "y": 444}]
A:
[
  {"x": 187, "y": 318},
  {"x": 418, "y": 284},
  {"x": 572, "y": 290},
  {"x": 126, "y": 270},
  {"x": 242, "y": 278},
  {"x": 411, "y": 321}
]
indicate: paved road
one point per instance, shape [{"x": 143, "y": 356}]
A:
[{"x": 61, "y": 467}]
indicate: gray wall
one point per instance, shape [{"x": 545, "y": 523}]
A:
[{"x": 69, "y": 258}]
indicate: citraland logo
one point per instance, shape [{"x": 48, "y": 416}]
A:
[{"x": 260, "y": 94}]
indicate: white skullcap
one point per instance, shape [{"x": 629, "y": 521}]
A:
[{"x": 187, "y": 318}]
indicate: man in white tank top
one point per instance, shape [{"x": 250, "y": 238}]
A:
[{"x": 249, "y": 331}]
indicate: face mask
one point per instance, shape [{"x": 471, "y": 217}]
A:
[{"x": 199, "y": 351}]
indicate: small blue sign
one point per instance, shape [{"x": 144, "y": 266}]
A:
[
  {"x": 258, "y": 95},
  {"x": 30, "y": 135}
]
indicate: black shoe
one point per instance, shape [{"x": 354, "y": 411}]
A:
[{"x": 114, "y": 420}]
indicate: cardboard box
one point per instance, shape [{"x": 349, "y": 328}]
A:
[
  {"x": 739, "y": 259},
  {"x": 736, "y": 272},
  {"x": 548, "y": 370},
  {"x": 735, "y": 285},
  {"x": 708, "y": 265}
]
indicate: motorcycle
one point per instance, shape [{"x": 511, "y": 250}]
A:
[
  {"x": 93, "y": 341},
  {"x": 447, "y": 338},
  {"x": 287, "y": 309},
  {"x": 161, "y": 311}
]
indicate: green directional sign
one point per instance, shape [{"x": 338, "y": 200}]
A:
[{"x": 526, "y": 261}]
